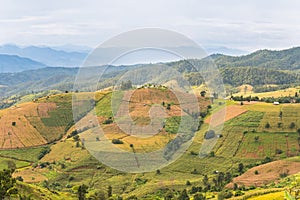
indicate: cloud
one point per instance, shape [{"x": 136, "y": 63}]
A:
[{"x": 248, "y": 25}]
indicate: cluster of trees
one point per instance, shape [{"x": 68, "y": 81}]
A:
[
  {"x": 98, "y": 194},
  {"x": 126, "y": 85},
  {"x": 7, "y": 183},
  {"x": 283, "y": 99},
  {"x": 242, "y": 98},
  {"x": 263, "y": 88},
  {"x": 237, "y": 76},
  {"x": 44, "y": 151}
]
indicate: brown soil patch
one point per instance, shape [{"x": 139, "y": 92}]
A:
[
  {"x": 22, "y": 133},
  {"x": 31, "y": 175},
  {"x": 225, "y": 114},
  {"x": 267, "y": 173}
]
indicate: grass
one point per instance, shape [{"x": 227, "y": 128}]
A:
[
  {"x": 103, "y": 106},
  {"x": 267, "y": 145},
  {"x": 19, "y": 164},
  {"x": 172, "y": 124},
  {"x": 250, "y": 119},
  {"x": 29, "y": 154}
]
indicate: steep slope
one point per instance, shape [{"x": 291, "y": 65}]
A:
[{"x": 35, "y": 123}]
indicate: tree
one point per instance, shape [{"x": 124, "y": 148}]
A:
[
  {"x": 82, "y": 190},
  {"x": 169, "y": 106},
  {"x": 183, "y": 195},
  {"x": 280, "y": 114},
  {"x": 109, "y": 191},
  {"x": 292, "y": 125},
  {"x": 205, "y": 180},
  {"x": 256, "y": 138},
  {"x": 7, "y": 184},
  {"x": 188, "y": 183},
  {"x": 203, "y": 93},
  {"x": 241, "y": 168},
  {"x": 126, "y": 85},
  {"x": 235, "y": 186}
]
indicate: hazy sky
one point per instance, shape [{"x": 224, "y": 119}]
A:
[{"x": 247, "y": 24}]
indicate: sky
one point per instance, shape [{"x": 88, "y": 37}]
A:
[{"x": 247, "y": 25}]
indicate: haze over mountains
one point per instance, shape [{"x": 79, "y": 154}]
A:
[
  {"x": 46, "y": 55},
  {"x": 69, "y": 56},
  {"x": 21, "y": 74}
]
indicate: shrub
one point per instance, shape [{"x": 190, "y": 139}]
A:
[
  {"x": 238, "y": 193},
  {"x": 292, "y": 125},
  {"x": 267, "y": 125},
  {"x": 279, "y": 151},
  {"x": 209, "y": 134},
  {"x": 117, "y": 141},
  {"x": 108, "y": 121}
]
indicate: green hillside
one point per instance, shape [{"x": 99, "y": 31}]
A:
[{"x": 246, "y": 141}]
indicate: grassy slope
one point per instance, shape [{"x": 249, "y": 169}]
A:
[{"x": 85, "y": 169}]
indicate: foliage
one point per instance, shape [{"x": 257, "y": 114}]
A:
[{"x": 7, "y": 184}]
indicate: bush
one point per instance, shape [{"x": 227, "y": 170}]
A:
[
  {"x": 267, "y": 125},
  {"x": 209, "y": 134},
  {"x": 292, "y": 125},
  {"x": 238, "y": 193},
  {"x": 278, "y": 151},
  {"x": 117, "y": 141},
  {"x": 188, "y": 182},
  {"x": 108, "y": 121}
]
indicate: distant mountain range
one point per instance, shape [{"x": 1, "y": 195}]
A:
[
  {"x": 13, "y": 63},
  {"x": 48, "y": 56},
  {"x": 258, "y": 68}
]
